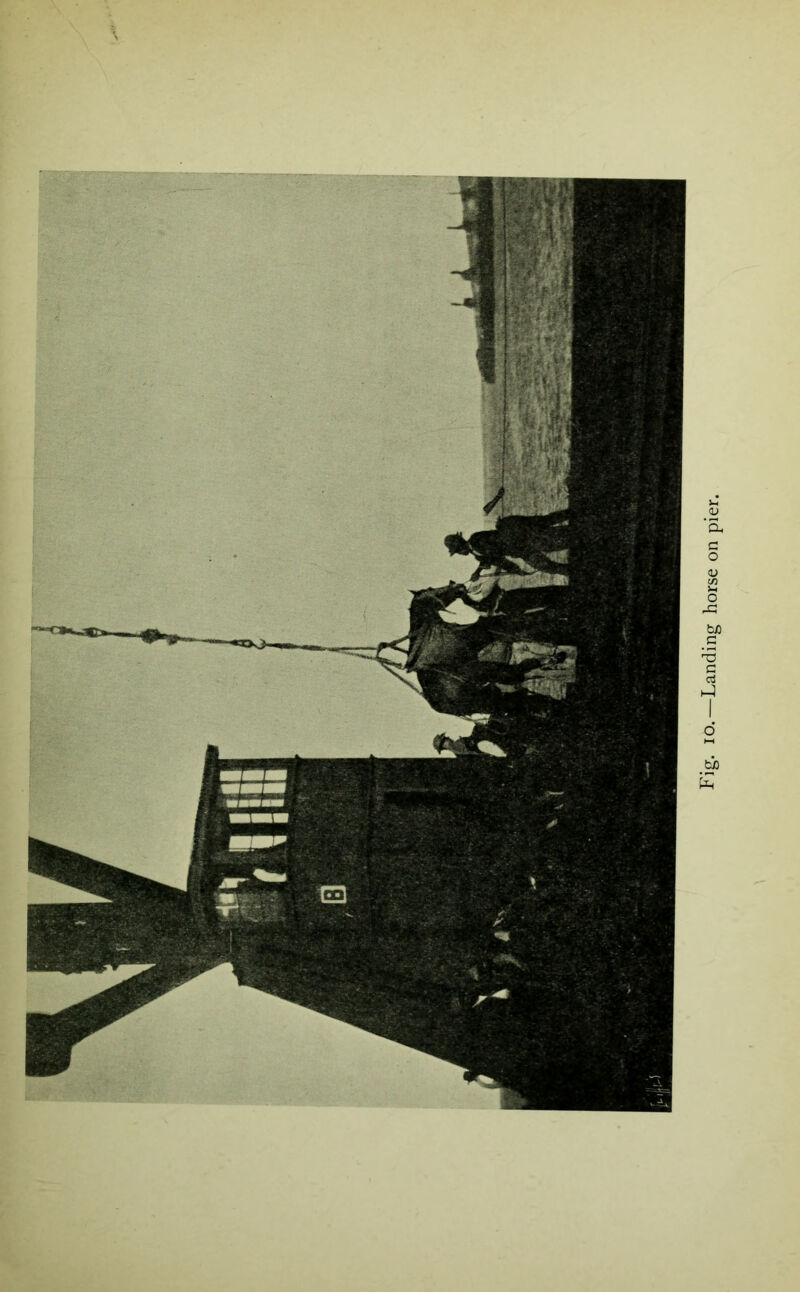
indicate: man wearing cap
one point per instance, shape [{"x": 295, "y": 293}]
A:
[{"x": 516, "y": 538}]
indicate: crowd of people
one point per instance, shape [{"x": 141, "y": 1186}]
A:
[
  {"x": 527, "y": 639},
  {"x": 526, "y": 628}
]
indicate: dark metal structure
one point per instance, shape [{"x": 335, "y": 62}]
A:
[
  {"x": 143, "y": 922},
  {"x": 360, "y": 888}
]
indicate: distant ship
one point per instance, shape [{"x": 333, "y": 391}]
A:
[{"x": 478, "y": 224}]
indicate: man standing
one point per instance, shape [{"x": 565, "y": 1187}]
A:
[
  {"x": 516, "y": 538},
  {"x": 460, "y": 745}
]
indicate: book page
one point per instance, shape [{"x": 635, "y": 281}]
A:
[{"x": 115, "y": 1189}]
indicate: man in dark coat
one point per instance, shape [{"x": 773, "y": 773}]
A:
[
  {"x": 528, "y": 538},
  {"x": 521, "y": 614}
]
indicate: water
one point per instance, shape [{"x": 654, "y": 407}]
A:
[{"x": 527, "y": 411}]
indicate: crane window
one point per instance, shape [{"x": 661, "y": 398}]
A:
[
  {"x": 253, "y": 842},
  {"x": 259, "y": 818},
  {"x": 262, "y": 786},
  {"x": 243, "y": 803}
]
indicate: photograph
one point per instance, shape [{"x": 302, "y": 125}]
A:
[{"x": 355, "y": 640}]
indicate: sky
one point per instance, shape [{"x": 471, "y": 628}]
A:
[{"x": 257, "y": 415}]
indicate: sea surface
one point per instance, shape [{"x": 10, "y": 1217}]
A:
[{"x": 526, "y": 412}]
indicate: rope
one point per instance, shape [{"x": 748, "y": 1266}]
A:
[
  {"x": 391, "y": 669},
  {"x": 152, "y": 635}
]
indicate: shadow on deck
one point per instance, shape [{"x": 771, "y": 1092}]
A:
[{"x": 595, "y": 1031}]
